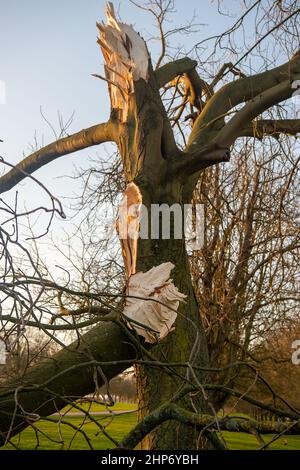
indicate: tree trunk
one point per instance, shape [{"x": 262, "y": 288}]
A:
[
  {"x": 142, "y": 131},
  {"x": 187, "y": 343},
  {"x": 148, "y": 150}
]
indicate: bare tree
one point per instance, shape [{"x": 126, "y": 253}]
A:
[{"x": 172, "y": 129}]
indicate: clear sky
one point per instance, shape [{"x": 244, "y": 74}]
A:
[{"x": 48, "y": 52}]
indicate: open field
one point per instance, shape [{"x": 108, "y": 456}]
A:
[
  {"x": 93, "y": 407},
  {"x": 65, "y": 437},
  {"x": 55, "y": 435}
]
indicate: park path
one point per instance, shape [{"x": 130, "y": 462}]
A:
[{"x": 95, "y": 413}]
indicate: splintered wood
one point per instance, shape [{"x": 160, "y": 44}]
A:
[
  {"x": 126, "y": 57},
  {"x": 153, "y": 300},
  {"x": 128, "y": 224},
  {"x": 153, "y": 314}
]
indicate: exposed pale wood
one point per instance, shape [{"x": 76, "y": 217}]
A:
[
  {"x": 127, "y": 60},
  {"x": 168, "y": 72},
  {"x": 83, "y": 139},
  {"x": 127, "y": 225},
  {"x": 153, "y": 320}
]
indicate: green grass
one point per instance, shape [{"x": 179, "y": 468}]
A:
[
  {"x": 67, "y": 438},
  {"x": 54, "y": 436},
  {"x": 243, "y": 441},
  {"x": 95, "y": 407}
]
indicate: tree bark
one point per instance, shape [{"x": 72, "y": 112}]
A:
[
  {"x": 187, "y": 343},
  {"x": 66, "y": 376},
  {"x": 140, "y": 127}
]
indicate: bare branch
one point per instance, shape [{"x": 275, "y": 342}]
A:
[
  {"x": 202, "y": 422},
  {"x": 271, "y": 127},
  {"x": 253, "y": 108},
  {"x": 168, "y": 72},
  {"x": 86, "y": 138},
  {"x": 211, "y": 119},
  {"x": 52, "y": 381}
]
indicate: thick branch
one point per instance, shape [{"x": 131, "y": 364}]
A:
[
  {"x": 252, "y": 109},
  {"x": 195, "y": 87},
  {"x": 168, "y": 72},
  {"x": 198, "y": 159},
  {"x": 86, "y": 138},
  {"x": 201, "y": 422},
  {"x": 271, "y": 127},
  {"x": 71, "y": 373},
  {"x": 239, "y": 91}
]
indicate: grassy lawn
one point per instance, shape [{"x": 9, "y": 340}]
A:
[
  {"x": 95, "y": 407},
  {"x": 55, "y": 436},
  {"x": 243, "y": 441},
  {"x": 65, "y": 437}
]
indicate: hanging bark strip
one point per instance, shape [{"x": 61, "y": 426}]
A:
[{"x": 151, "y": 319}]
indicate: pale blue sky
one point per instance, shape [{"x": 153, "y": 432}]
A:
[{"x": 48, "y": 52}]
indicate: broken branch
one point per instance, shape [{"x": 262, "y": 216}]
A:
[{"x": 86, "y": 138}]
